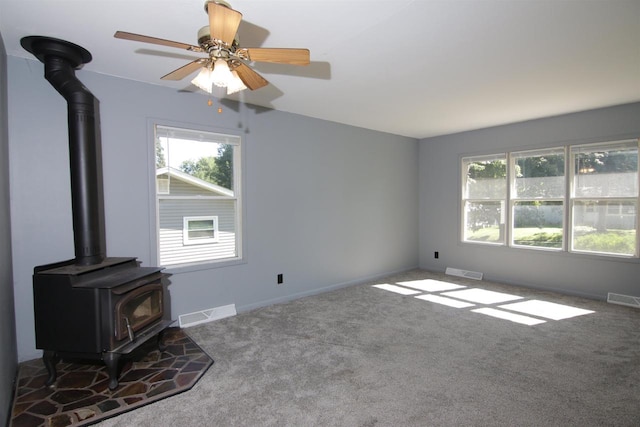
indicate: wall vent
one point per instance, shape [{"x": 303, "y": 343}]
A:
[
  {"x": 623, "y": 300},
  {"x": 204, "y": 316},
  {"x": 464, "y": 273}
]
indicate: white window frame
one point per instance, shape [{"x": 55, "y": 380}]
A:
[
  {"x": 466, "y": 199},
  {"x": 514, "y": 198},
  {"x": 227, "y": 136},
  {"x": 606, "y": 199},
  {"x": 187, "y": 240},
  {"x": 569, "y": 200}
]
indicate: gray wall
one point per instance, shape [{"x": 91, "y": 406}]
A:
[
  {"x": 7, "y": 323},
  {"x": 326, "y": 204},
  {"x": 440, "y": 185}
]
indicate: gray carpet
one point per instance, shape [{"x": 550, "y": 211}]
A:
[{"x": 364, "y": 356}]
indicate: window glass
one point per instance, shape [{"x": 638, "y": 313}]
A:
[
  {"x": 197, "y": 178},
  {"x": 485, "y": 192},
  {"x": 538, "y": 189},
  {"x": 484, "y": 222},
  {"x": 605, "y": 170},
  {"x": 605, "y": 198},
  {"x": 538, "y": 223},
  {"x": 485, "y": 178},
  {"x": 607, "y": 227},
  {"x": 539, "y": 174},
  {"x": 579, "y": 198}
]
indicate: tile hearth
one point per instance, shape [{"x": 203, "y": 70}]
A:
[{"x": 81, "y": 395}]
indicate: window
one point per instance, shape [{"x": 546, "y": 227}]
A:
[
  {"x": 590, "y": 206},
  {"x": 163, "y": 184},
  {"x": 604, "y": 198},
  {"x": 537, "y": 198},
  {"x": 197, "y": 230},
  {"x": 198, "y": 196},
  {"x": 484, "y": 197}
]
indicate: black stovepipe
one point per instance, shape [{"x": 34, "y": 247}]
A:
[{"x": 60, "y": 59}]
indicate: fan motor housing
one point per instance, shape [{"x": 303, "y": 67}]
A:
[{"x": 204, "y": 38}]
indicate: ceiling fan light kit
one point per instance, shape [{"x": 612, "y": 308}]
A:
[
  {"x": 203, "y": 80},
  {"x": 236, "y": 84},
  {"x": 226, "y": 65},
  {"x": 221, "y": 73},
  {"x": 220, "y": 76}
]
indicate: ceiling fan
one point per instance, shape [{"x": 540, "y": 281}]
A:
[{"x": 226, "y": 65}]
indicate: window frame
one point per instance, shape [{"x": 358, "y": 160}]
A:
[
  {"x": 607, "y": 199},
  {"x": 568, "y": 200},
  {"x": 187, "y": 240},
  {"x": 239, "y": 179},
  {"x": 514, "y": 199},
  {"x": 501, "y": 201}
]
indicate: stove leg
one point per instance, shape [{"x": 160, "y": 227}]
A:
[
  {"x": 162, "y": 346},
  {"x": 50, "y": 359},
  {"x": 112, "y": 360}
]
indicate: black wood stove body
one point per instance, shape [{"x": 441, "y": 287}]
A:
[
  {"x": 100, "y": 311},
  {"x": 93, "y": 306}
]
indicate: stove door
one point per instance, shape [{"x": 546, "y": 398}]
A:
[{"x": 138, "y": 309}]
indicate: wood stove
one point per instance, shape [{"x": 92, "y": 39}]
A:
[
  {"x": 103, "y": 311},
  {"x": 93, "y": 306}
]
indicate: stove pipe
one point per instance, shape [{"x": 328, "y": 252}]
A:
[{"x": 60, "y": 59}]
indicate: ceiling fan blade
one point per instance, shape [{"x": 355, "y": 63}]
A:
[
  {"x": 185, "y": 70},
  {"x": 223, "y": 22},
  {"x": 154, "y": 40},
  {"x": 250, "y": 78},
  {"x": 279, "y": 56}
]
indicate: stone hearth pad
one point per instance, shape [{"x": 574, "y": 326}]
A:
[{"x": 81, "y": 395}]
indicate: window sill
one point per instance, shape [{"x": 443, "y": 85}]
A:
[
  {"x": 204, "y": 265},
  {"x": 554, "y": 252}
]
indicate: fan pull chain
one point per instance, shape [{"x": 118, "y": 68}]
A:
[{"x": 210, "y": 103}]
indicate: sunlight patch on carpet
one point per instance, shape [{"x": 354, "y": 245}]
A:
[
  {"x": 502, "y": 305},
  {"x": 482, "y": 296},
  {"x": 548, "y": 310},
  {"x": 450, "y": 302},
  {"x": 505, "y": 315},
  {"x": 429, "y": 285},
  {"x": 397, "y": 289}
]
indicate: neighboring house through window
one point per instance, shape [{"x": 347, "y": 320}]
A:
[{"x": 198, "y": 196}]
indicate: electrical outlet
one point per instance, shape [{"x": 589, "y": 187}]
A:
[
  {"x": 436, "y": 255},
  {"x": 280, "y": 279}
]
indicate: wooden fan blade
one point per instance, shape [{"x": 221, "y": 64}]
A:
[
  {"x": 185, "y": 70},
  {"x": 279, "y": 56},
  {"x": 223, "y": 22},
  {"x": 250, "y": 78},
  {"x": 154, "y": 40}
]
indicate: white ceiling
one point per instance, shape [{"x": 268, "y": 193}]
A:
[{"x": 418, "y": 68}]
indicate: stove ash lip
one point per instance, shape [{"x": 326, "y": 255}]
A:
[{"x": 60, "y": 59}]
